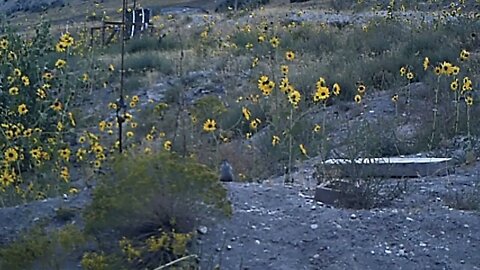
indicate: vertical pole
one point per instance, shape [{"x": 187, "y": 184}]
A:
[
  {"x": 91, "y": 36},
  {"x": 103, "y": 33},
  {"x": 121, "y": 102}
]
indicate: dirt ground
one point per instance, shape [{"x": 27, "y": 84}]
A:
[{"x": 282, "y": 227}]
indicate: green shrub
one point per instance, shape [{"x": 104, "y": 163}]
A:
[
  {"x": 358, "y": 188},
  {"x": 154, "y": 195},
  {"x": 40, "y": 249},
  {"x": 144, "y": 61},
  {"x": 153, "y": 43},
  {"x": 464, "y": 199}
]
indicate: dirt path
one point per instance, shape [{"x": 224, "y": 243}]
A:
[{"x": 277, "y": 227}]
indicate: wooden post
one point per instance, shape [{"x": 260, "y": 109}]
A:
[
  {"x": 103, "y": 33},
  {"x": 91, "y": 36}
]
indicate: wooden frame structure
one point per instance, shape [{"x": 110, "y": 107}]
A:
[{"x": 137, "y": 21}]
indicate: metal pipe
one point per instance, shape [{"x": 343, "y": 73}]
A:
[{"x": 121, "y": 103}]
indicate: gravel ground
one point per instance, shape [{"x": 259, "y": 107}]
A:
[
  {"x": 281, "y": 227},
  {"x": 17, "y": 219}
]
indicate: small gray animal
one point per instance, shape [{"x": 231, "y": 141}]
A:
[{"x": 226, "y": 171}]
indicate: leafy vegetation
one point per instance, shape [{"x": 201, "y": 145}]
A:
[
  {"x": 42, "y": 248},
  {"x": 266, "y": 93},
  {"x": 151, "y": 204}
]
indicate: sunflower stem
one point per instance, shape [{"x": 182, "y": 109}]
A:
[
  {"x": 435, "y": 109},
  {"x": 457, "y": 111},
  {"x": 217, "y": 160},
  {"x": 468, "y": 121},
  {"x": 290, "y": 149},
  {"x": 323, "y": 156}
]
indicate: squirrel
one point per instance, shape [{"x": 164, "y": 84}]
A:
[{"x": 226, "y": 171}]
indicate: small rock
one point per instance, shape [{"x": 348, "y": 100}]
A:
[
  {"x": 372, "y": 252},
  {"x": 462, "y": 261},
  {"x": 316, "y": 256},
  {"x": 388, "y": 251},
  {"x": 466, "y": 226},
  {"x": 218, "y": 249},
  {"x": 202, "y": 229},
  {"x": 257, "y": 242},
  {"x": 422, "y": 244},
  {"x": 314, "y": 226},
  {"x": 233, "y": 239},
  {"x": 313, "y": 207},
  {"x": 409, "y": 219},
  {"x": 353, "y": 216},
  {"x": 229, "y": 247}
]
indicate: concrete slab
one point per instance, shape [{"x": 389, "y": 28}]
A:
[
  {"x": 389, "y": 167},
  {"x": 327, "y": 195}
]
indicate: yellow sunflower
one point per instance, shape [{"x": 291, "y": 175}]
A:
[
  {"x": 56, "y": 106},
  {"x": 10, "y": 155},
  {"x": 13, "y": 91},
  {"x": 275, "y": 140},
  {"x": 454, "y": 85},
  {"x": 361, "y": 89},
  {"x": 336, "y": 89},
  {"x": 167, "y": 145},
  {"x": 469, "y": 100},
  {"x": 275, "y": 42},
  {"x": 358, "y": 99},
  {"x": 254, "y": 123},
  {"x": 64, "y": 153},
  {"x": 426, "y": 63},
  {"x": 321, "y": 82},
  {"x": 60, "y": 63},
  {"x": 322, "y": 94},
  {"x": 395, "y": 98},
  {"x": 464, "y": 55},
  {"x": 303, "y": 150},
  {"x": 22, "y": 109},
  {"x": 410, "y": 75},
  {"x": 210, "y": 125},
  {"x": 294, "y": 97},
  {"x": 246, "y": 113},
  {"x": 290, "y": 55}
]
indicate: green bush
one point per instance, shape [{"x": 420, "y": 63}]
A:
[
  {"x": 149, "y": 61},
  {"x": 150, "y": 204},
  {"x": 41, "y": 249},
  {"x": 152, "y": 43}
]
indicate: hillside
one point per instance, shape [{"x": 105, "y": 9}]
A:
[{"x": 103, "y": 171}]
